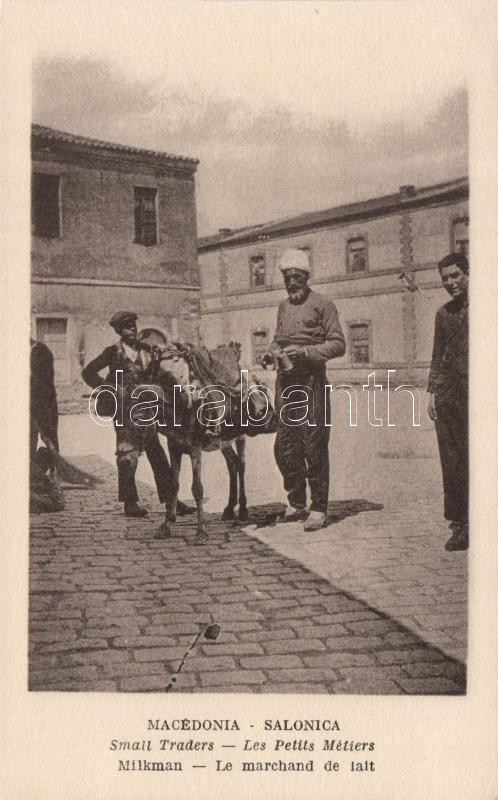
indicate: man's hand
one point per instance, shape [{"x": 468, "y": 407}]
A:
[
  {"x": 295, "y": 352},
  {"x": 267, "y": 360},
  {"x": 431, "y": 408}
]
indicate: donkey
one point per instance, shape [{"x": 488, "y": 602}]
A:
[{"x": 186, "y": 434}]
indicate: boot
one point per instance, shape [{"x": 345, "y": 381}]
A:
[
  {"x": 459, "y": 539},
  {"x": 134, "y": 510},
  {"x": 315, "y": 521}
]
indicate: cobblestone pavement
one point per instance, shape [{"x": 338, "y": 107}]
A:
[
  {"x": 111, "y": 608},
  {"x": 391, "y": 557}
]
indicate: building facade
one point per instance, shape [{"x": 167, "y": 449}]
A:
[
  {"x": 377, "y": 259},
  {"x": 113, "y": 227}
]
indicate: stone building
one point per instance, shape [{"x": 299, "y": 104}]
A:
[
  {"x": 376, "y": 258},
  {"x": 113, "y": 227}
]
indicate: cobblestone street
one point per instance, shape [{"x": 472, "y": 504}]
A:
[{"x": 370, "y": 604}]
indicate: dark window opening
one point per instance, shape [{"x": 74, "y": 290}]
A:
[
  {"x": 461, "y": 235},
  {"x": 145, "y": 216},
  {"x": 45, "y": 212},
  {"x": 360, "y": 343},
  {"x": 357, "y": 255},
  {"x": 258, "y": 270},
  {"x": 260, "y": 342}
]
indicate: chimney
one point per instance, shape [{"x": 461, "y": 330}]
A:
[{"x": 407, "y": 191}]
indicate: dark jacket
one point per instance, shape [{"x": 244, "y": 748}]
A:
[
  {"x": 448, "y": 377},
  {"x": 112, "y": 359}
]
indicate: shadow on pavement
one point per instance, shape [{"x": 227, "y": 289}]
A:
[{"x": 269, "y": 514}]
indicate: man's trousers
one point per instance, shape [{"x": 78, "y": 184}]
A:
[
  {"x": 302, "y": 451},
  {"x": 452, "y": 437},
  {"x": 302, "y": 454},
  {"x": 131, "y": 441}
]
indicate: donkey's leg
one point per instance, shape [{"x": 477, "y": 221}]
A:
[
  {"x": 240, "y": 445},
  {"x": 164, "y": 531},
  {"x": 231, "y": 461},
  {"x": 198, "y": 493},
  {"x": 176, "y": 463}
]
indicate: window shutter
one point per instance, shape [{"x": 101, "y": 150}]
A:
[
  {"x": 145, "y": 216},
  {"x": 149, "y": 220}
]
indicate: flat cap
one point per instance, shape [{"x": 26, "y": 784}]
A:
[
  {"x": 120, "y": 317},
  {"x": 295, "y": 259}
]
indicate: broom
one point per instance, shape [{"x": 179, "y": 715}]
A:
[{"x": 68, "y": 472}]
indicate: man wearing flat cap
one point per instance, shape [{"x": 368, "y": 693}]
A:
[
  {"x": 131, "y": 439},
  {"x": 308, "y": 334},
  {"x": 448, "y": 403}
]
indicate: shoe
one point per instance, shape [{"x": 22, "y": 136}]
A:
[
  {"x": 134, "y": 510},
  {"x": 182, "y": 509},
  {"x": 294, "y": 514},
  {"x": 457, "y": 543},
  {"x": 315, "y": 521},
  {"x": 459, "y": 540}
]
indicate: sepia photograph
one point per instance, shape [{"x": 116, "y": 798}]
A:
[
  {"x": 313, "y": 243},
  {"x": 248, "y": 389}
]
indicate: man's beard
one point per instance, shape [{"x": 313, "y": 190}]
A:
[{"x": 297, "y": 296}]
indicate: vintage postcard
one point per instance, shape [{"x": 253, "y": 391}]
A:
[{"x": 250, "y": 494}]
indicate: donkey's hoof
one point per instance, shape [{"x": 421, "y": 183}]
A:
[
  {"x": 201, "y": 537},
  {"x": 228, "y": 514},
  {"x": 243, "y": 514},
  {"x": 163, "y": 532},
  {"x": 170, "y": 516}
]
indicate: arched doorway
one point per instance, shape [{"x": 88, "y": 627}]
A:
[{"x": 153, "y": 336}]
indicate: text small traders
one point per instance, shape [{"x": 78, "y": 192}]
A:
[
  {"x": 448, "y": 403},
  {"x": 131, "y": 439},
  {"x": 308, "y": 335}
]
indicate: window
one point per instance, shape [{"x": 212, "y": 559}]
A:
[
  {"x": 52, "y": 331},
  {"x": 257, "y": 268},
  {"x": 260, "y": 343},
  {"x": 145, "y": 216},
  {"x": 45, "y": 211},
  {"x": 357, "y": 254},
  {"x": 461, "y": 235},
  {"x": 360, "y": 342}
]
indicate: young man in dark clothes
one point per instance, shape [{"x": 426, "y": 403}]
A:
[{"x": 448, "y": 404}]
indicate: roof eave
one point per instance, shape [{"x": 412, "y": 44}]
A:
[
  {"x": 60, "y": 145},
  {"x": 293, "y": 226}
]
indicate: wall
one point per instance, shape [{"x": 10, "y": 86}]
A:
[
  {"x": 98, "y": 227},
  {"x": 95, "y": 269},
  {"x": 432, "y": 231},
  {"x": 88, "y": 310},
  {"x": 402, "y": 321}
]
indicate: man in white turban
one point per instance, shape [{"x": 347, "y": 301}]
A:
[{"x": 308, "y": 335}]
